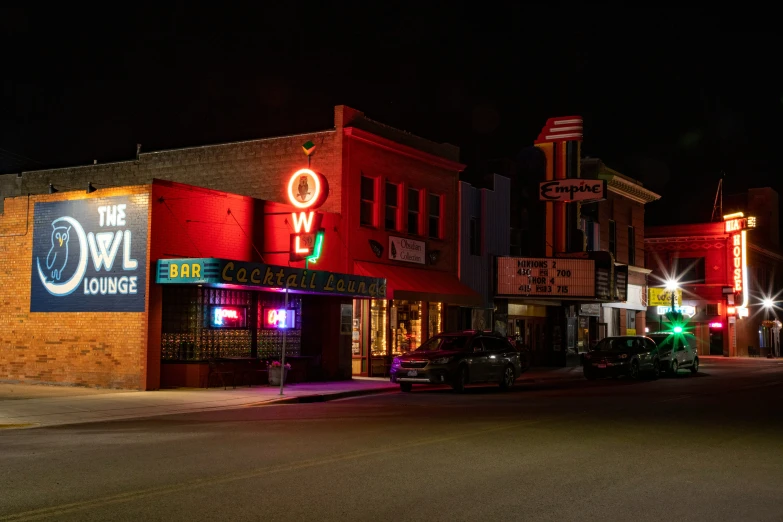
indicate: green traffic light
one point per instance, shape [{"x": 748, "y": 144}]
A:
[{"x": 678, "y": 329}]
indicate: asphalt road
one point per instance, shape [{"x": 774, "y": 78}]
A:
[{"x": 703, "y": 447}]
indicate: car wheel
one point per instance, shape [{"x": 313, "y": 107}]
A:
[
  {"x": 674, "y": 368},
  {"x": 406, "y": 386},
  {"x": 508, "y": 378},
  {"x": 461, "y": 379},
  {"x": 656, "y": 371},
  {"x": 695, "y": 366},
  {"x": 633, "y": 373}
]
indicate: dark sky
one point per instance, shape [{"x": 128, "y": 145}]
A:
[{"x": 670, "y": 97}]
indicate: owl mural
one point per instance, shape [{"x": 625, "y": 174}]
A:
[
  {"x": 57, "y": 257},
  {"x": 303, "y": 189}
]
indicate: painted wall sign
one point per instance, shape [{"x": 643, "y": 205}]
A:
[
  {"x": 89, "y": 255},
  {"x": 307, "y": 190},
  {"x": 573, "y": 189},
  {"x": 228, "y": 317},
  {"x": 261, "y": 276},
  {"x": 278, "y": 318},
  {"x": 561, "y": 277},
  {"x": 402, "y": 249}
]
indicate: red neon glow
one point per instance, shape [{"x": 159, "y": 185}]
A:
[
  {"x": 305, "y": 196},
  {"x": 716, "y": 325},
  {"x": 228, "y": 317},
  {"x": 304, "y": 220},
  {"x": 279, "y": 318},
  {"x": 731, "y": 310}
]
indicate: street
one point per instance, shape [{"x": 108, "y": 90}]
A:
[{"x": 695, "y": 447}]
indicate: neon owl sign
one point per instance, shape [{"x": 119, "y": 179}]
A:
[{"x": 307, "y": 190}]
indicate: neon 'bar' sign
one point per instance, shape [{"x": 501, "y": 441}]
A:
[
  {"x": 277, "y": 318},
  {"x": 228, "y": 317}
]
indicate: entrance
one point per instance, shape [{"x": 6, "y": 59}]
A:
[{"x": 716, "y": 341}]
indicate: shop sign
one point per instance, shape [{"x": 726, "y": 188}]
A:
[
  {"x": 736, "y": 225},
  {"x": 550, "y": 277},
  {"x": 661, "y": 297},
  {"x": 222, "y": 272},
  {"x": 89, "y": 255},
  {"x": 572, "y": 189},
  {"x": 228, "y": 317},
  {"x": 590, "y": 309},
  {"x": 278, "y": 318},
  {"x": 307, "y": 190},
  {"x": 402, "y": 249},
  {"x": 686, "y": 310}
]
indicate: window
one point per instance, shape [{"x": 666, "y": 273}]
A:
[
  {"x": 392, "y": 210},
  {"x": 593, "y": 234},
  {"x": 630, "y": 322},
  {"x": 712, "y": 310},
  {"x": 475, "y": 237},
  {"x": 413, "y": 211},
  {"x": 367, "y": 215},
  {"x": 691, "y": 270},
  {"x": 631, "y": 246},
  {"x": 612, "y": 238},
  {"x": 434, "y": 221}
]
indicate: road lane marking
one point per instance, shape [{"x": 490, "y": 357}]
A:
[{"x": 63, "y": 509}]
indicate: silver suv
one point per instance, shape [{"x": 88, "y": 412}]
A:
[{"x": 676, "y": 351}]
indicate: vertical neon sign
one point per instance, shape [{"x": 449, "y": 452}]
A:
[
  {"x": 306, "y": 190},
  {"x": 736, "y": 225}
]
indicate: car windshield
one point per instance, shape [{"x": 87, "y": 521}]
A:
[
  {"x": 662, "y": 339},
  {"x": 445, "y": 342},
  {"x": 616, "y": 344}
]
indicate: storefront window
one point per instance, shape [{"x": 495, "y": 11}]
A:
[
  {"x": 378, "y": 327},
  {"x": 405, "y": 326},
  {"x": 435, "y": 319}
]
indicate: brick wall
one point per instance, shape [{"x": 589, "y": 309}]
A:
[
  {"x": 77, "y": 348},
  {"x": 258, "y": 168}
]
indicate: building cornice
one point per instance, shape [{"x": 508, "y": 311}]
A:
[
  {"x": 386, "y": 144},
  {"x": 628, "y": 189},
  {"x": 685, "y": 239}
]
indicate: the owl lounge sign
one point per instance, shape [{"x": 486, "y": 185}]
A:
[
  {"x": 90, "y": 255},
  {"x": 307, "y": 190}
]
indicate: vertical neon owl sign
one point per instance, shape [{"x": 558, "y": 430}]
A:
[{"x": 307, "y": 190}]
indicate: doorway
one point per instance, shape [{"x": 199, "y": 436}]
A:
[{"x": 716, "y": 341}]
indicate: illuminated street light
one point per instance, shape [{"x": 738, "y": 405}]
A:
[
  {"x": 678, "y": 329},
  {"x": 672, "y": 285},
  {"x": 768, "y": 303}
]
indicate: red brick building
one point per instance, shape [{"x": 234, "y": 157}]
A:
[
  {"x": 726, "y": 270},
  {"x": 209, "y": 224}
]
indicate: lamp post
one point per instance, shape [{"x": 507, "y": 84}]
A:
[
  {"x": 671, "y": 286},
  {"x": 768, "y": 304}
]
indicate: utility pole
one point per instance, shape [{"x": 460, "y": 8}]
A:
[{"x": 717, "y": 207}]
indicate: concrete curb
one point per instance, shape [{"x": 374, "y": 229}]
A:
[{"x": 326, "y": 397}]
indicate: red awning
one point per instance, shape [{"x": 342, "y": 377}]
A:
[{"x": 416, "y": 284}]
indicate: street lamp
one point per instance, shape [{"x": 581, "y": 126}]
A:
[{"x": 671, "y": 286}]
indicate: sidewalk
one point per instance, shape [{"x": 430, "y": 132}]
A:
[
  {"x": 721, "y": 359},
  {"x": 32, "y": 405}
]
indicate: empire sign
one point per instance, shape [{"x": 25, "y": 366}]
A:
[{"x": 572, "y": 189}]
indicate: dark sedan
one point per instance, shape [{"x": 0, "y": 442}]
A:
[
  {"x": 460, "y": 359},
  {"x": 628, "y": 355}
]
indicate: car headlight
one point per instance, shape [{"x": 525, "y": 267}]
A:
[
  {"x": 442, "y": 360},
  {"x": 623, "y": 356},
  {"x": 396, "y": 361}
]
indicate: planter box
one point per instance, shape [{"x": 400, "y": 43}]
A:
[{"x": 274, "y": 375}]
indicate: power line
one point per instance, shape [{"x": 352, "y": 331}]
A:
[{"x": 19, "y": 156}]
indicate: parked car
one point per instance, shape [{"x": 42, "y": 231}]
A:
[
  {"x": 629, "y": 355},
  {"x": 459, "y": 359},
  {"x": 676, "y": 351}
]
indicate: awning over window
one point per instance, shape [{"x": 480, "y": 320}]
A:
[{"x": 416, "y": 284}]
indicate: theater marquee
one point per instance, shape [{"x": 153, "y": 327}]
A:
[{"x": 546, "y": 277}]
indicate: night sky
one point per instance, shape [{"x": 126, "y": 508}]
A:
[{"x": 672, "y": 98}]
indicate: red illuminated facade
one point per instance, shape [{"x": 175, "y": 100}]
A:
[
  {"x": 359, "y": 201},
  {"x": 726, "y": 270}
]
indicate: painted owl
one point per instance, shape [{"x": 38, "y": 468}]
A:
[
  {"x": 304, "y": 189},
  {"x": 57, "y": 257}
]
